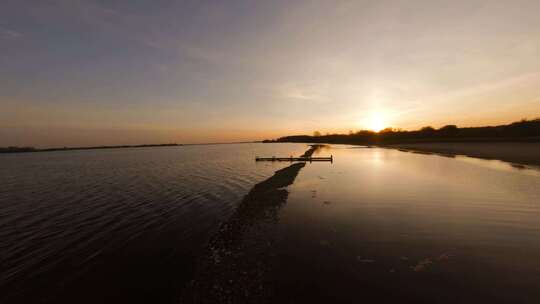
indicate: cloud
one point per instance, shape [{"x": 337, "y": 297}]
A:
[
  {"x": 144, "y": 29},
  {"x": 9, "y": 33},
  {"x": 304, "y": 92},
  {"x": 301, "y": 95},
  {"x": 510, "y": 84}
]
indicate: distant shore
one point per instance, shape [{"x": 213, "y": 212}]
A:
[
  {"x": 518, "y": 142},
  {"x": 526, "y": 153},
  {"x": 32, "y": 149}
]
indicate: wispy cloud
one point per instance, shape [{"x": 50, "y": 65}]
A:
[
  {"x": 506, "y": 84},
  {"x": 304, "y": 92},
  {"x": 9, "y": 33},
  {"x": 143, "y": 29},
  {"x": 301, "y": 95}
]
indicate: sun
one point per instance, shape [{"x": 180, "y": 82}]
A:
[{"x": 376, "y": 122}]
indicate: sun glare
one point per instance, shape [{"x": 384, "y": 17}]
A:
[{"x": 376, "y": 122}]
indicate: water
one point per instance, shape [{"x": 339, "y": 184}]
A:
[
  {"x": 381, "y": 225},
  {"x": 376, "y": 225},
  {"x": 119, "y": 225}
]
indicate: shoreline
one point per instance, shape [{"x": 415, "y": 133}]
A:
[
  {"x": 13, "y": 150},
  {"x": 522, "y": 153},
  {"x": 10, "y": 150}
]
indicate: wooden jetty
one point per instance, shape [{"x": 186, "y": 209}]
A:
[{"x": 291, "y": 159}]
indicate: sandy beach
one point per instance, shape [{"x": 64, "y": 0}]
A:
[{"x": 526, "y": 153}]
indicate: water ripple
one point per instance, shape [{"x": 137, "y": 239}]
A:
[{"x": 67, "y": 215}]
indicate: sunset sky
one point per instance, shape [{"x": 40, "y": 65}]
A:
[{"x": 76, "y": 72}]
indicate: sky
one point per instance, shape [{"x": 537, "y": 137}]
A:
[{"x": 105, "y": 72}]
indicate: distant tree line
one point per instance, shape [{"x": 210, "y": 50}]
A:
[
  {"x": 17, "y": 149},
  {"x": 524, "y": 130},
  {"x": 13, "y": 149}
]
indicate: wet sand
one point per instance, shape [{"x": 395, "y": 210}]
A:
[
  {"x": 526, "y": 153},
  {"x": 235, "y": 266}
]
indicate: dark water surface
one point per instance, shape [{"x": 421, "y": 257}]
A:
[
  {"x": 376, "y": 225},
  {"x": 119, "y": 225},
  {"x": 385, "y": 226}
]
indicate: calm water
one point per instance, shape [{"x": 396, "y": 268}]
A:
[
  {"x": 389, "y": 226},
  {"x": 127, "y": 225},
  {"x": 119, "y": 225}
]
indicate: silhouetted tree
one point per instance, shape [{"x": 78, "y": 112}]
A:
[
  {"x": 449, "y": 130},
  {"x": 387, "y": 130},
  {"x": 517, "y": 130},
  {"x": 427, "y": 129}
]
